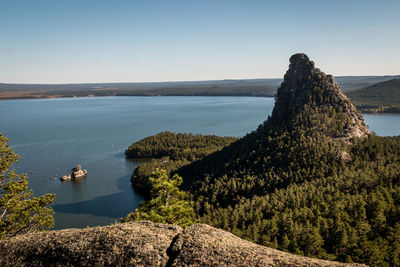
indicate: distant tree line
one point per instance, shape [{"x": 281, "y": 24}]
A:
[{"x": 170, "y": 151}]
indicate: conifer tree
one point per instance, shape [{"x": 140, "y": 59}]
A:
[
  {"x": 168, "y": 204},
  {"x": 20, "y": 212}
]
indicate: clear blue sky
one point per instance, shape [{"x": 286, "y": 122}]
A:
[{"x": 68, "y": 41}]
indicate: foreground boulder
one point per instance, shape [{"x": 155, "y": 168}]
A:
[
  {"x": 144, "y": 244},
  {"x": 204, "y": 245}
]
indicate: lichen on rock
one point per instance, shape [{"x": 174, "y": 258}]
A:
[{"x": 144, "y": 244}]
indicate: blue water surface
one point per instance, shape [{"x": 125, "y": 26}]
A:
[{"x": 54, "y": 135}]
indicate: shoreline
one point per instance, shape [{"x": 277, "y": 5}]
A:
[{"x": 141, "y": 95}]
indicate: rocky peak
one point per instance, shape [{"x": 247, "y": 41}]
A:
[{"x": 306, "y": 88}]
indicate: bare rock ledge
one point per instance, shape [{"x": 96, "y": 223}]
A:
[{"x": 145, "y": 244}]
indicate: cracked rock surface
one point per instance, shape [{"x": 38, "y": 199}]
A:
[{"x": 144, "y": 244}]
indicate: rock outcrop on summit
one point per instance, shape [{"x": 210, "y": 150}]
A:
[
  {"x": 311, "y": 114},
  {"x": 144, "y": 244},
  {"x": 305, "y": 87}
]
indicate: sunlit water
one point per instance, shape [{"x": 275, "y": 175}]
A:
[{"x": 54, "y": 135}]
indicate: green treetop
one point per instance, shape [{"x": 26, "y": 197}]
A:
[{"x": 168, "y": 204}]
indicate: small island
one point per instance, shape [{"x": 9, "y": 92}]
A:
[{"x": 76, "y": 172}]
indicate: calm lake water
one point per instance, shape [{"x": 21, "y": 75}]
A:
[{"x": 54, "y": 135}]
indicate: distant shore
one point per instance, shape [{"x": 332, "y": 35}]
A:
[
  {"x": 362, "y": 108},
  {"x": 17, "y": 97},
  {"x": 360, "y": 90}
]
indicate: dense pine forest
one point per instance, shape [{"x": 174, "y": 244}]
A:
[
  {"x": 170, "y": 151},
  {"x": 177, "y": 146},
  {"x": 318, "y": 205},
  {"x": 311, "y": 179}
]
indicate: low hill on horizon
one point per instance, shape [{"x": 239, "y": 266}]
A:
[
  {"x": 228, "y": 87},
  {"x": 379, "y": 97}
]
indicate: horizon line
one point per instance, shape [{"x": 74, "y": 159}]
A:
[{"x": 183, "y": 81}]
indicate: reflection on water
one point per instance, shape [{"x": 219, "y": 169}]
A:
[{"x": 103, "y": 206}]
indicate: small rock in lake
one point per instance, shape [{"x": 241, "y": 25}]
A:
[
  {"x": 66, "y": 177},
  {"x": 76, "y": 172}
]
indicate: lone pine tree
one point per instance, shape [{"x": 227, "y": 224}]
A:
[{"x": 20, "y": 212}]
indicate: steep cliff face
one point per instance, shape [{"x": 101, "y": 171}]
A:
[
  {"x": 305, "y": 87},
  {"x": 144, "y": 244}
]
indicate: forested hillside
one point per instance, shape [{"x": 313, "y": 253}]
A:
[
  {"x": 380, "y": 97},
  {"x": 312, "y": 179}
]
